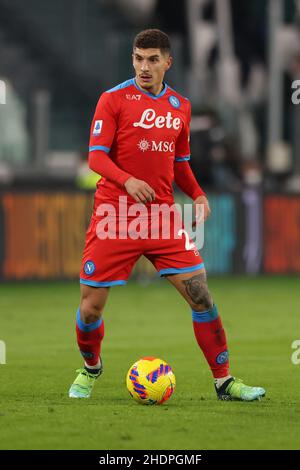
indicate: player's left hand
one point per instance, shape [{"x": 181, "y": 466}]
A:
[{"x": 202, "y": 209}]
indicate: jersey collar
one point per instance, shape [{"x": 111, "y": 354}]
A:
[{"x": 151, "y": 94}]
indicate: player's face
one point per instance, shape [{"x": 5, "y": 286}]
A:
[{"x": 150, "y": 66}]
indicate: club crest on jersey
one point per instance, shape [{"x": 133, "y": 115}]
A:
[
  {"x": 174, "y": 101},
  {"x": 89, "y": 267},
  {"x": 97, "y": 127},
  {"x": 149, "y": 120}
]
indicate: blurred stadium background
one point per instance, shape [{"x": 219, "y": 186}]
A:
[{"x": 236, "y": 60}]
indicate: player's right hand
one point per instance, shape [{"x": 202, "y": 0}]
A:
[{"x": 139, "y": 190}]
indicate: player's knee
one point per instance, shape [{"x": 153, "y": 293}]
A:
[
  {"x": 201, "y": 299},
  {"x": 197, "y": 293},
  {"x": 92, "y": 303},
  {"x": 90, "y": 311}
]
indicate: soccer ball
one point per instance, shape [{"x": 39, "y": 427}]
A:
[{"x": 150, "y": 381}]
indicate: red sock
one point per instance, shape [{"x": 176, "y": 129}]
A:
[
  {"x": 211, "y": 338},
  {"x": 89, "y": 339}
]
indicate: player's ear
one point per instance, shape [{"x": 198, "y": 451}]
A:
[
  {"x": 169, "y": 62},
  {"x": 133, "y": 64}
]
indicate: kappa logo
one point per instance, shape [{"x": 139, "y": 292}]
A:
[
  {"x": 149, "y": 120},
  {"x": 97, "y": 127},
  {"x": 133, "y": 97}
]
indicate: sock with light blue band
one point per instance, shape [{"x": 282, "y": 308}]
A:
[
  {"x": 211, "y": 338},
  {"x": 206, "y": 316},
  {"x": 86, "y": 327},
  {"x": 89, "y": 339}
]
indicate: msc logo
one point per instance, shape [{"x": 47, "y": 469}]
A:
[
  {"x": 89, "y": 268},
  {"x": 149, "y": 120},
  {"x": 133, "y": 97},
  {"x": 162, "y": 146}
]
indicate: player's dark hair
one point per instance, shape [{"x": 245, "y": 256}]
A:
[{"x": 152, "y": 38}]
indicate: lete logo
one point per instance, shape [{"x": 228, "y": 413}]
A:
[{"x": 149, "y": 120}]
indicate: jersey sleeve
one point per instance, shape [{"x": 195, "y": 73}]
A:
[
  {"x": 182, "y": 147},
  {"x": 104, "y": 124},
  {"x": 186, "y": 181}
]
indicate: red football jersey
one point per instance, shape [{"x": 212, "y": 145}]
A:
[{"x": 143, "y": 134}]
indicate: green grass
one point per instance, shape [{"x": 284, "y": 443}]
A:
[{"x": 262, "y": 320}]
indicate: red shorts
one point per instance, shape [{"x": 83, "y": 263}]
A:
[{"x": 109, "y": 262}]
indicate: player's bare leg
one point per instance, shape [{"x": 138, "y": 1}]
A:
[
  {"x": 210, "y": 335},
  {"x": 90, "y": 333},
  {"x": 193, "y": 287},
  {"x": 92, "y": 302}
]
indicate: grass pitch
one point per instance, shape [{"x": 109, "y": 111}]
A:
[{"x": 261, "y": 317}]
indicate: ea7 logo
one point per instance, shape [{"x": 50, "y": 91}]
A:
[
  {"x": 133, "y": 97},
  {"x": 2, "y": 353},
  {"x": 2, "y": 92}
]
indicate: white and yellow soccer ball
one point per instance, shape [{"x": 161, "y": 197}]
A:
[{"x": 150, "y": 381}]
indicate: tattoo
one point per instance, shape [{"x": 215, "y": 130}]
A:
[{"x": 197, "y": 290}]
